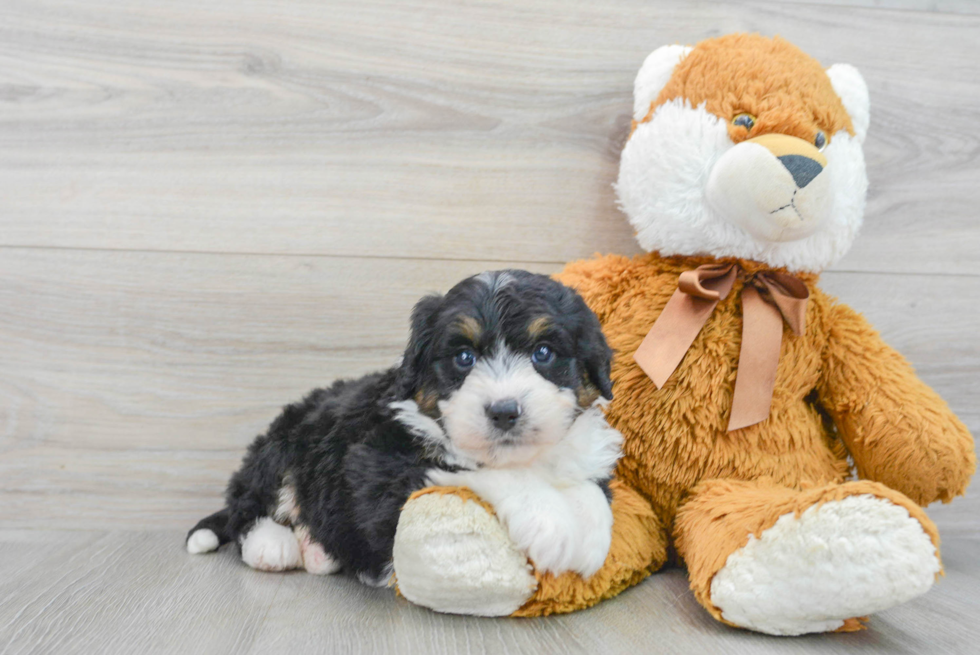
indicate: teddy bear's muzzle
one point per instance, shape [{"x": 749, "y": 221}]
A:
[{"x": 774, "y": 187}]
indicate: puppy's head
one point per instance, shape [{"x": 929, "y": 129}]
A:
[{"x": 504, "y": 362}]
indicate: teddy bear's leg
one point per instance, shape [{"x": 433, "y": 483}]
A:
[
  {"x": 787, "y": 562},
  {"x": 452, "y": 555}
]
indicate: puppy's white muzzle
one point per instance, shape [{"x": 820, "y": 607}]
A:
[
  {"x": 505, "y": 412},
  {"x": 775, "y": 187}
]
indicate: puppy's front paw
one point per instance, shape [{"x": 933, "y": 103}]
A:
[
  {"x": 546, "y": 531},
  {"x": 594, "y": 515}
]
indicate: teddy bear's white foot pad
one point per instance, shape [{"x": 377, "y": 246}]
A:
[
  {"x": 452, "y": 556},
  {"x": 842, "y": 559}
]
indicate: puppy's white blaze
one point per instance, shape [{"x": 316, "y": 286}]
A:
[
  {"x": 202, "y": 541},
  {"x": 495, "y": 280},
  {"x": 271, "y": 547},
  {"x": 547, "y": 410},
  {"x": 663, "y": 178}
]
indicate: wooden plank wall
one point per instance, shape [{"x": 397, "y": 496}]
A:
[{"x": 208, "y": 208}]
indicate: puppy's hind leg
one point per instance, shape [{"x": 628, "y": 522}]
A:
[
  {"x": 209, "y": 534},
  {"x": 315, "y": 559},
  {"x": 270, "y": 546}
]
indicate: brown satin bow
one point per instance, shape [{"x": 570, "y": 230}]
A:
[{"x": 768, "y": 298}]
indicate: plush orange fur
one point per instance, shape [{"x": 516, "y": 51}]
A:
[
  {"x": 782, "y": 87},
  {"x": 679, "y": 456}
]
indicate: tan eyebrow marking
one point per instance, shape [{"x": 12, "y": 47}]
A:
[
  {"x": 470, "y": 328},
  {"x": 586, "y": 395},
  {"x": 428, "y": 401},
  {"x": 538, "y": 326}
]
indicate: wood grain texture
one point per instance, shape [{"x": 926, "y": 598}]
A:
[
  {"x": 139, "y": 592},
  {"x": 941, "y": 6},
  {"x": 485, "y": 130},
  {"x": 207, "y": 209}
]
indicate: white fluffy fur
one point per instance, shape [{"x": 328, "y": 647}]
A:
[
  {"x": 431, "y": 433},
  {"x": 547, "y": 411},
  {"x": 654, "y": 75},
  {"x": 663, "y": 177},
  {"x": 452, "y": 556},
  {"x": 315, "y": 559},
  {"x": 842, "y": 559},
  {"x": 202, "y": 541},
  {"x": 853, "y": 92},
  {"x": 551, "y": 509},
  {"x": 269, "y": 546}
]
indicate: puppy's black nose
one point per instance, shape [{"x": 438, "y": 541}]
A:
[{"x": 504, "y": 413}]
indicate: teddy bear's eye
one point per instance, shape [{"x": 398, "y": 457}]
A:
[
  {"x": 745, "y": 120},
  {"x": 820, "y": 140}
]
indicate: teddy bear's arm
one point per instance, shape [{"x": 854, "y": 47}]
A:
[{"x": 898, "y": 430}]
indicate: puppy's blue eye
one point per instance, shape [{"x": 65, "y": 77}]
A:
[
  {"x": 465, "y": 359},
  {"x": 542, "y": 354}
]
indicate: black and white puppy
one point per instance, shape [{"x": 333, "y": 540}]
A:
[{"x": 500, "y": 390}]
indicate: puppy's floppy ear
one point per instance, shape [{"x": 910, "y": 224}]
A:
[
  {"x": 417, "y": 353},
  {"x": 595, "y": 353}
]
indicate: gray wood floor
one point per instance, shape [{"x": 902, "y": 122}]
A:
[{"x": 207, "y": 209}]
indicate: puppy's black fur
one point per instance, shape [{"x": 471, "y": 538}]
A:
[{"x": 353, "y": 465}]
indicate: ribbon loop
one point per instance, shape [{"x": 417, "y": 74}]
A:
[
  {"x": 768, "y": 298},
  {"x": 681, "y": 320},
  {"x": 790, "y": 296},
  {"x": 719, "y": 281}
]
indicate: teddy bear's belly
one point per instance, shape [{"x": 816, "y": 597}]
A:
[{"x": 681, "y": 437}]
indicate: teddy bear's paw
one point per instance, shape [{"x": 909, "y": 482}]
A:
[
  {"x": 453, "y": 556},
  {"x": 840, "y": 559}
]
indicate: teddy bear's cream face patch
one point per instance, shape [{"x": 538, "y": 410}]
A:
[
  {"x": 688, "y": 189},
  {"x": 775, "y": 187}
]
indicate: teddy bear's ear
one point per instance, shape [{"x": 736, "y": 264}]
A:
[
  {"x": 853, "y": 92},
  {"x": 653, "y": 76}
]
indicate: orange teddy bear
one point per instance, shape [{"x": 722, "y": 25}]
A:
[{"x": 740, "y": 388}]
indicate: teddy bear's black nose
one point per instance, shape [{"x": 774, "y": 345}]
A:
[
  {"x": 504, "y": 413},
  {"x": 803, "y": 169}
]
